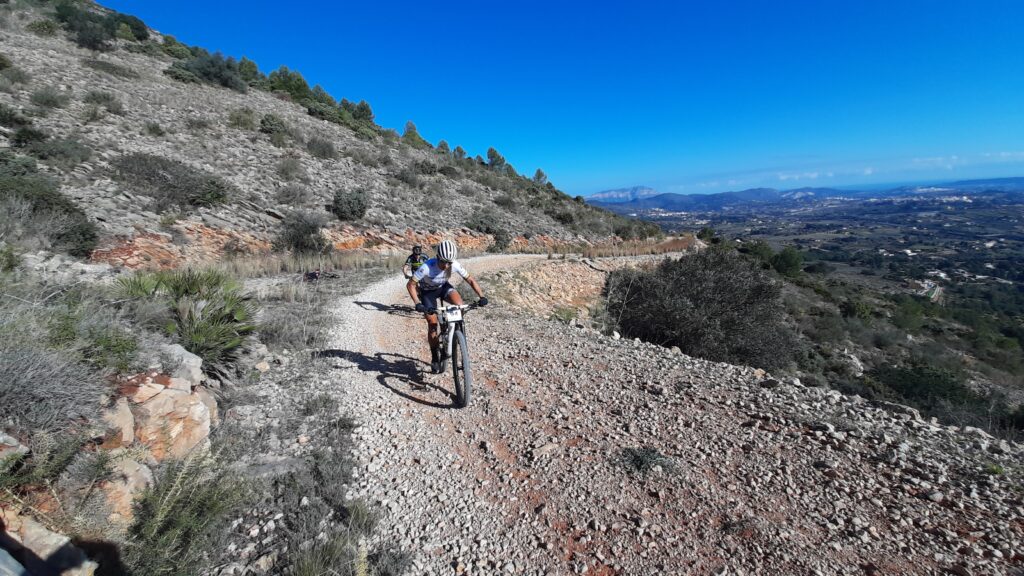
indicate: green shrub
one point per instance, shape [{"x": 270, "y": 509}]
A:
[
  {"x": 110, "y": 68},
  {"x": 301, "y": 233},
  {"x": 9, "y": 259},
  {"x": 15, "y": 75},
  {"x": 93, "y": 113},
  {"x": 909, "y": 313},
  {"x": 5, "y": 63},
  {"x": 349, "y": 205},
  {"x": 89, "y": 29},
  {"x": 715, "y": 305},
  {"x": 26, "y": 136},
  {"x": 72, "y": 231},
  {"x": 178, "y": 518},
  {"x": 643, "y": 460},
  {"x": 242, "y": 118},
  {"x": 43, "y": 27},
  {"x": 138, "y": 28},
  {"x": 925, "y": 386},
  {"x": 412, "y": 137},
  {"x": 94, "y": 30},
  {"x": 484, "y": 220},
  {"x": 111, "y": 347},
  {"x": 106, "y": 100},
  {"x": 124, "y": 32},
  {"x": 50, "y": 97},
  {"x": 172, "y": 183},
  {"x": 210, "y": 316},
  {"x": 212, "y": 69},
  {"x": 11, "y": 118},
  {"x": 564, "y": 314},
  {"x": 182, "y": 75},
  {"x": 64, "y": 152},
  {"x": 819, "y": 268},
  {"x": 51, "y": 454},
  {"x": 154, "y": 129},
  {"x": 787, "y": 262},
  {"x": 506, "y": 201},
  {"x": 175, "y": 49},
  {"x": 321, "y": 148},
  {"x": 290, "y": 168},
  {"x": 410, "y": 177},
  {"x": 197, "y": 123},
  {"x": 290, "y": 82},
  {"x": 293, "y": 195},
  {"x": 273, "y": 124},
  {"x": 758, "y": 249},
  {"x": 851, "y": 308}
]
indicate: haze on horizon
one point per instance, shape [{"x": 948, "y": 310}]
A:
[{"x": 687, "y": 98}]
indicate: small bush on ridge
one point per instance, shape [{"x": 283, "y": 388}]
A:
[
  {"x": 349, "y": 205},
  {"x": 49, "y": 97},
  {"x": 301, "y": 232},
  {"x": 43, "y": 28},
  {"x": 242, "y": 118},
  {"x": 321, "y": 148}
]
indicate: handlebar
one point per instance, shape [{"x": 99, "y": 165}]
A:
[{"x": 463, "y": 307}]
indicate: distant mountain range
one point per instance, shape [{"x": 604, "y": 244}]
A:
[
  {"x": 618, "y": 201},
  {"x": 623, "y": 194}
]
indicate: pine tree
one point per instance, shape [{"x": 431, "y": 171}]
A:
[
  {"x": 443, "y": 148},
  {"x": 539, "y": 177},
  {"x": 363, "y": 112},
  {"x": 460, "y": 153},
  {"x": 495, "y": 159},
  {"x": 248, "y": 70},
  {"x": 320, "y": 95}
]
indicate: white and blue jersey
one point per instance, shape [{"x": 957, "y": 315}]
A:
[{"x": 431, "y": 277}]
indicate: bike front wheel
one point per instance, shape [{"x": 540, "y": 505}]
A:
[{"x": 461, "y": 369}]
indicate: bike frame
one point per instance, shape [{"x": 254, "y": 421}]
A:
[{"x": 445, "y": 318}]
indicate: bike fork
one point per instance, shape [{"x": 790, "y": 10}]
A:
[{"x": 449, "y": 336}]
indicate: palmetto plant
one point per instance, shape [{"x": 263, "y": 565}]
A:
[{"x": 210, "y": 316}]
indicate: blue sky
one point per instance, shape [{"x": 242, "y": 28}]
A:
[{"x": 688, "y": 97}]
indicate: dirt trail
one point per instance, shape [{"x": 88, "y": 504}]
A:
[
  {"x": 581, "y": 453},
  {"x": 420, "y": 462}
]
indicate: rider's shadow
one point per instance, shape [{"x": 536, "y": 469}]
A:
[
  {"x": 393, "y": 370},
  {"x": 396, "y": 309}
]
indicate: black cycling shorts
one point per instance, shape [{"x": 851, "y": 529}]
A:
[{"x": 429, "y": 298}]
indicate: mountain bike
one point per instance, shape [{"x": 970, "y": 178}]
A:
[{"x": 452, "y": 327}]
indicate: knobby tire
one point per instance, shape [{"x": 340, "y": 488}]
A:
[{"x": 461, "y": 369}]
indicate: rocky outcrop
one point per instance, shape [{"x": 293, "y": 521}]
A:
[
  {"x": 40, "y": 550},
  {"x": 127, "y": 480},
  {"x": 169, "y": 414}
]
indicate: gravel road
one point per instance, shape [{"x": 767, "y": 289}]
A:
[{"x": 581, "y": 453}]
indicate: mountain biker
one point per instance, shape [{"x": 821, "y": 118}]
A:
[
  {"x": 432, "y": 281},
  {"x": 414, "y": 261}
]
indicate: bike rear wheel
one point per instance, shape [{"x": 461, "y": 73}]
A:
[{"x": 461, "y": 369}]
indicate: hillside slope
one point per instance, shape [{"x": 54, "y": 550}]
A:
[{"x": 124, "y": 139}]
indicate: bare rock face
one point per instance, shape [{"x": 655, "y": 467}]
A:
[
  {"x": 128, "y": 479},
  {"x": 121, "y": 424},
  {"x": 188, "y": 366},
  {"x": 170, "y": 418},
  {"x": 172, "y": 423},
  {"x": 10, "y": 446},
  {"x": 41, "y": 551}
]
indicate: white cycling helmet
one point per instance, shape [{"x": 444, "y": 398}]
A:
[{"x": 447, "y": 251}]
